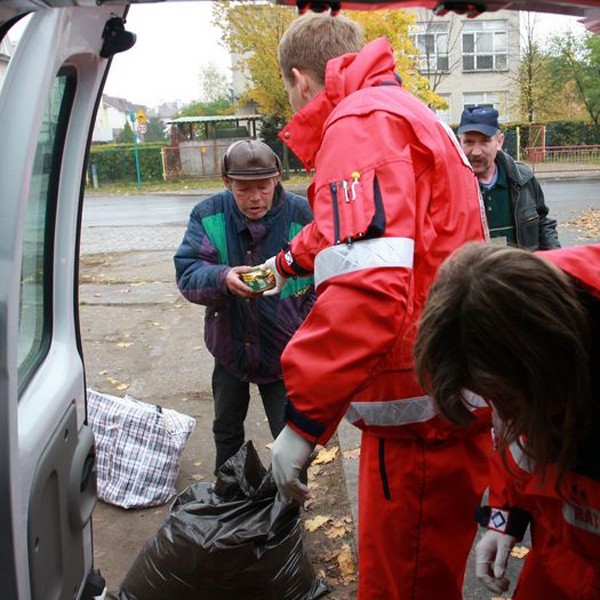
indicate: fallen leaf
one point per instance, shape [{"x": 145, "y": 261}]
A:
[
  {"x": 269, "y": 445},
  {"x": 313, "y": 471},
  {"x": 346, "y": 562},
  {"x": 122, "y": 386},
  {"x": 326, "y": 456},
  {"x": 354, "y": 453},
  {"x": 316, "y": 522},
  {"x": 124, "y": 344},
  {"x": 588, "y": 223},
  {"x": 197, "y": 463},
  {"x": 519, "y": 551},
  {"x": 103, "y": 372},
  {"x": 336, "y": 532},
  {"x": 197, "y": 477}
]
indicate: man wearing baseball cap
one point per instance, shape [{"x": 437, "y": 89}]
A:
[
  {"x": 245, "y": 331},
  {"x": 514, "y": 201}
]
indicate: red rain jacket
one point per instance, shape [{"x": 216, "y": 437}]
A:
[
  {"x": 572, "y": 523},
  {"x": 392, "y": 196}
]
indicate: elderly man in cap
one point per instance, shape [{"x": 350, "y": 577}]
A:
[
  {"x": 244, "y": 330},
  {"x": 514, "y": 201}
]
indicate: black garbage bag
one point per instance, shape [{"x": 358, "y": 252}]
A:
[{"x": 234, "y": 540}]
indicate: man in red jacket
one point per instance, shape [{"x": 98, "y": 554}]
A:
[{"x": 392, "y": 196}]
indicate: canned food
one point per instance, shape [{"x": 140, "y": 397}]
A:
[{"x": 259, "y": 280}]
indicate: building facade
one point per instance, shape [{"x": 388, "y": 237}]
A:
[
  {"x": 470, "y": 61},
  {"x": 112, "y": 115}
]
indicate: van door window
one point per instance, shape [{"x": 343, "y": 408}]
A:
[{"x": 35, "y": 304}]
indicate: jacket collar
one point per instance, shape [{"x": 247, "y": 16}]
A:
[
  {"x": 519, "y": 175},
  {"x": 345, "y": 74}
]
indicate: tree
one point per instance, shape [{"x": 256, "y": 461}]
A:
[
  {"x": 155, "y": 131},
  {"x": 435, "y": 41},
  {"x": 540, "y": 99},
  {"x": 214, "y": 85},
  {"x": 575, "y": 61},
  {"x": 224, "y": 106},
  {"x": 252, "y": 31},
  {"x": 126, "y": 134}
]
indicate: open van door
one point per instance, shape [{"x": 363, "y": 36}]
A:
[{"x": 48, "y": 101}]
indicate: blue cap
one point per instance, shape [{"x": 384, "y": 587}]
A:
[{"x": 483, "y": 119}]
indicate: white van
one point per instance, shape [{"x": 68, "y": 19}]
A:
[{"x": 48, "y": 102}]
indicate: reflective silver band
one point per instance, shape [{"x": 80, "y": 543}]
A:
[
  {"x": 402, "y": 412},
  {"x": 364, "y": 254},
  {"x": 521, "y": 459},
  {"x": 582, "y": 517}
]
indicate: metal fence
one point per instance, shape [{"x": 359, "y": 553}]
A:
[{"x": 563, "y": 158}]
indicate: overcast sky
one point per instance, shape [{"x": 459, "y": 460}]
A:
[{"x": 176, "y": 39}]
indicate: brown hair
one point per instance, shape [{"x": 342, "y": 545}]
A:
[
  {"x": 509, "y": 326},
  {"x": 313, "y": 39}
]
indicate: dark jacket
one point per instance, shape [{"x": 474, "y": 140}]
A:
[
  {"x": 534, "y": 229},
  {"x": 247, "y": 337}
]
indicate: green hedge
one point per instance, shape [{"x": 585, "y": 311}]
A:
[{"x": 116, "y": 162}]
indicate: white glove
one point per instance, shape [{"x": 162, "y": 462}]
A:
[
  {"x": 289, "y": 455},
  {"x": 491, "y": 557},
  {"x": 279, "y": 279}
]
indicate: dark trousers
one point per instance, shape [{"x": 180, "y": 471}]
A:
[{"x": 231, "y": 399}]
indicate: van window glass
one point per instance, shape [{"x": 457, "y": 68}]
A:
[{"x": 35, "y": 304}]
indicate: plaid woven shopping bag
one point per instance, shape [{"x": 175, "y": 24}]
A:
[{"x": 138, "y": 449}]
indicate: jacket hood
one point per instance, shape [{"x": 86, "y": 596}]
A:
[
  {"x": 345, "y": 74},
  {"x": 371, "y": 66},
  {"x": 580, "y": 262}
]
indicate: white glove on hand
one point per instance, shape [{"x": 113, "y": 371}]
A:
[
  {"x": 279, "y": 279},
  {"x": 491, "y": 557},
  {"x": 289, "y": 455}
]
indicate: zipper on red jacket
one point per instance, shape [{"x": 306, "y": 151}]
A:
[{"x": 336, "y": 214}]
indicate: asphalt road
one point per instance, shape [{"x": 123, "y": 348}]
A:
[{"x": 566, "y": 200}]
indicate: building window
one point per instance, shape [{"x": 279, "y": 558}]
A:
[
  {"x": 484, "y": 46},
  {"x": 431, "y": 40},
  {"x": 499, "y": 100}
]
